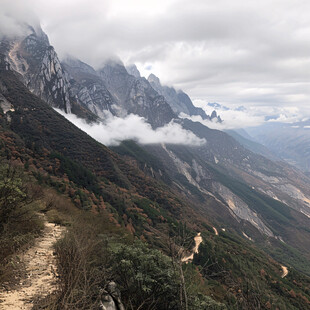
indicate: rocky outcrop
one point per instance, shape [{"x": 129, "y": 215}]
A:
[
  {"x": 133, "y": 70},
  {"x": 88, "y": 88},
  {"x": 135, "y": 95},
  {"x": 215, "y": 117},
  {"x": 178, "y": 100},
  {"x": 110, "y": 298},
  {"x": 39, "y": 67},
  {"x": 4, "y": 64},
  {"x": 241, "y": 209}
]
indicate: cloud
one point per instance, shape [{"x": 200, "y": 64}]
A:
[
  {"x": 233, "y": 120},
  {"x": 115, "y": 129},
  {"x": 253, "y": 53},
  {"x": 14, "y": 15},
  {"x": 236, "y": 117}
]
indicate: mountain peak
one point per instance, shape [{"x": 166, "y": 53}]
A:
[
  {"x": 133, "y": 70},
  {"x": 154, "y": 79},
  {"x": 77, "y": 64},
  {"x": 213, "y": 114}
]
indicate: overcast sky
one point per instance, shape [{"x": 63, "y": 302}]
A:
[{"x": 250, "y": 53}]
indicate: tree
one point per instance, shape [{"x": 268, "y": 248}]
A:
[
  {"x": 146, "y": 277},
  {"x": 15, "y": 196}
]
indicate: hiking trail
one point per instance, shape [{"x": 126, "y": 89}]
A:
[{"x": 40, "y": 269}]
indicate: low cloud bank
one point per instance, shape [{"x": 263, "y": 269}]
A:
[
  {"x": 236, "y": 117},
  {"x": 231, "y": 120},
  {"x": 133, "y": 127}
]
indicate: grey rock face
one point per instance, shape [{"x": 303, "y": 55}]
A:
[
  {"x": 114, "y": 90},
  {"x": 241, "y": 209},
  {"x": 38, "y": 64},
  {"x": 133, "y": 70},
  {"x": 4, "y": 65},
  {"x": 110, "y": 299},
  {"x": 178, "y": 100},
  {"x": 88, "y": 88},
  {"x": 135, "y": 95}
]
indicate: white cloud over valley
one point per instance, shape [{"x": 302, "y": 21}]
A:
[{"x": 132, "y": 127}]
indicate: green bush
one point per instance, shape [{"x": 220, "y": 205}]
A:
[
  {"x": 19, "y": 222},
  {"x": 146, "y": 277}
]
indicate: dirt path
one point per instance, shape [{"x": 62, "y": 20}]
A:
[
  {"x": 40, "y": 265},
  {"x": 198, "y": 240},
  {"x": 215, "y": 231},
  {"x": 285, "y": 271}
]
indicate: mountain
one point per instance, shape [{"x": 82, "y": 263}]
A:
[
  {"x": 112, "y": 89},
  {"x": 40, "y": 69},
  {"x": 135, "y": 95},
  {"x": 88, "y": 88},
  {"x": 244, "y": 139},
  {"x": 93, "y": 177},
  {"x": 74, "y": 86},
  {"x": 248, "y": 208},
  {"x": 224, "y": 169},
  {"x": 291, "y": 142},
  {"x": 178, "y": 100}
]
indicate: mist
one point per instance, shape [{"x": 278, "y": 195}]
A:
[
  {"x": 114, "y": 130},
  {"x": 15, "y": 17}
]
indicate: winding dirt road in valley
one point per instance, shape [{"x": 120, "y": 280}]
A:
[
  {"x": 40, "y": 268},
  {"x": 215, "y": 231},
  {"x": 285, "y": 271},
  {"x": 198, "y": 240}
]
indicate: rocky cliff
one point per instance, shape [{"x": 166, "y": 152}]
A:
[
  {"x": 39, "y": 67},
  {"x": 179, "y": 101}
]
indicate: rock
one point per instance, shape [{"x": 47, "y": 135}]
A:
[
  {"x": 135, "y": 95},
  {"x": 106, "y": 301},
  {"x": 116, "y": 294},
  {"x": 133, "y": 70},
  {"x": 39, "y": 67},
  {"x": 178, "y": 100},
  {"x": 110, "y": 299}
]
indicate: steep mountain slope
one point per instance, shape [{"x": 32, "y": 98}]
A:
[
  {"x": 290, "y": 142},
  {"x": 135, "y": 95},
  {"x": 251, "y": 145},
  {"x": 272, "y": 205},
  {"x": 60, "y": 155},
  {"x": 198, "y": 170},
  {"x": 37, "y": 63},
  {"x": 179, "y": 101},
  {"x": 61, "y": 148},
  {"x": 113, "y": 89},
  {"x": 88, "y": 88}
]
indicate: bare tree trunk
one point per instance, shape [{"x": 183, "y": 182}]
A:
[{"x": 183, "y": 291}]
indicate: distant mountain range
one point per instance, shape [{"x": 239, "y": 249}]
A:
[{"x": 289, "y": 141}]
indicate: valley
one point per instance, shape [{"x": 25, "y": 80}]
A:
[{"x": 125, "y": 211}]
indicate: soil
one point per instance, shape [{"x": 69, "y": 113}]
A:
[{"x": 40, "y": 272}]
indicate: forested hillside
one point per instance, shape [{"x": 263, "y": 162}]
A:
[{"x": 136, "y": 228}]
